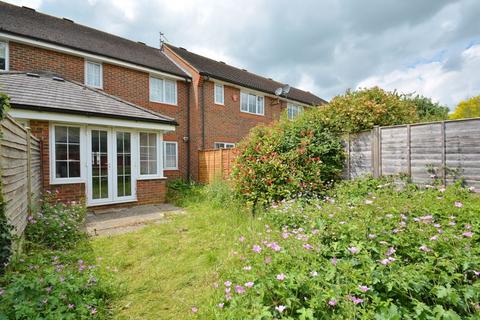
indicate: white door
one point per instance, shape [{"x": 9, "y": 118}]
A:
[{"x": 109, "y": 154}]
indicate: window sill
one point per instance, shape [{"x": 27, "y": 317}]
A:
[
  {"x": 165, "y": 103},
  {"x": 151, "y": 178},
  {"x": 252, "y": 114},
  {"x": 220, "y": 104},
  {"x": 67, "y": 181},
  {"x": 170, "y": 169}
]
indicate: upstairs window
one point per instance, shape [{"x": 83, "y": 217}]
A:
[
  {"x": 251, "y": 103},
  {"x": 219, "y": 94},
  {"x": 93, "y": 74},
  {"x": 163, "y": 91},
  {"x": 170, "y": 156},
  {"x": 224, "y": 145},
  {"x": 294, "y": 111},
  {"x": 3, "y": 56}
]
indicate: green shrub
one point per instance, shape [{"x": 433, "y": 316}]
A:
[
  {"x": 288, "y": 159},
  {"x": 53, "y": 285},
  {"x": 390, "y": 251},
  {"x": 56, "y": 225},
  {"x": 362, "y": 109}
]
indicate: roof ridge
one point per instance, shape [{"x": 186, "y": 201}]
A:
[
  {"x": 118, "y": 99},
  {"x": 69, "y": 21},
  {"x": 227, "y": 64}
]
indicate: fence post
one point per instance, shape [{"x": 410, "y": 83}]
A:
[
  {"x": 349, "y": 175},
  {"x": 444, "y": 154},
  {"x": 409, "y": 151},
  {"x": 29, "y": 171},
  {"x": 376, "y": 152}
]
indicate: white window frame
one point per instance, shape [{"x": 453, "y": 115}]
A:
[
  {"x": 226, "y": 145},
  {"x": 256, "y": 103},
  {"x": 7, "y": 56},
  {"x": 87, "y": 62},
  {"x": 53, "y": 179},
  {"x": 162, "y": 99},
  {"x": 159, "y": 173},
  {"x": 219, "y": 100},
  {"x": 165, "y": 155},
  {"x": 300, "y": 110}
]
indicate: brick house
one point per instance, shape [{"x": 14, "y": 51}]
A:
[{"x": 206, "y": 103}]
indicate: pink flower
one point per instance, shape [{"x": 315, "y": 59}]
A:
[
  {"x": 452, "y": 223},
  {"x": 434, "y": 238},
  {"x": 227, "y": 283},
  {"x": 334, "y": 261},
  {"x": 468, "y": 226},
  {"x": 354, "y": 250},
  {"x": 467, "y": 234},
  {"x": 274, "y": 246},
  {"x": 458, "y": 204},
  {"x": 241, "y": 239},
  {"x": 390, "y": 251},
  {"x": 356, "y": 300},
  {"x": 332, "y": 302},
  {"x": 220, "y": 305},
  {"x": 372, "y": 236},
  {"x": 71, "y": 306},
  {"x": 285, "y": 235},
  {"x": 363, "y": 288},
  {"x": 307, "y": 246},
  {"x": 280, "y": 277},
  {"x": 239, "y": 289},
  {"x": 268, "y": 260},
  {"x": 424, "y": 248},
  {"x": 280, "y": 308},
  {"x": 249, "y": 284},
  {"x": 387, "y": 261},
  {"x": 256, "y": 248},
  {"x": 194, "y": 309}
]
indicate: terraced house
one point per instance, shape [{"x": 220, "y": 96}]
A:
[{"x": 116, "y": 117}]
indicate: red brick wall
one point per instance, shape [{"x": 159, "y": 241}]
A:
[{"x": 151, "y": 191}]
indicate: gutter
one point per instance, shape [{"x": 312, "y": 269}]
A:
[
  {"x": 188, "y": 129},
  {"x": 206, "y": 78},
  {"x": 95, "y": 114}
]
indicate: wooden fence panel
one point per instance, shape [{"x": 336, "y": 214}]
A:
[
  {"x": 215, "y": 164},
  {"x": 20, "y": 166}
]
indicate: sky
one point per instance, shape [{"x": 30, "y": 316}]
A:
[{"x": 427, "y": 47}]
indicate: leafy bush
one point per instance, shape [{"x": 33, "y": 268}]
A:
[
  {"x": 469, "y": 108},
  {"x": 391, "y": 251},
  {"x": 53, "y": 285},
  {"x": 362, "y": 109},
  {"x": 427, "y": 110},
  {"x": 56, "y": 225},
  {"x": 288, "y": 158}
]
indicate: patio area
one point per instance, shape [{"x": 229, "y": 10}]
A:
[{"x": 116, "y": 221}]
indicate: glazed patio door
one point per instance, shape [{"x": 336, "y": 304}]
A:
[{"x": 110, "y": 166}]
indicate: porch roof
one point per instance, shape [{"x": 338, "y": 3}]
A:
[{"x": 47, "y": 92}]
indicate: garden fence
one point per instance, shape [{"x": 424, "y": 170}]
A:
[
  {"x": 215, "y": 164},
  {"x": 20, "y": 165},
  {"x": 450, "y": 148}
]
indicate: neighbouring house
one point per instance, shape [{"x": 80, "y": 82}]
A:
[
  {"x": 212, "y": 104},
  {"x": 227, "y": 101}
]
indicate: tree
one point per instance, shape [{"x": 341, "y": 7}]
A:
[
  {"x": 427, "y": 110},
  {"x": 362, "y": 109},
  {"x": 469, "y": 108}
]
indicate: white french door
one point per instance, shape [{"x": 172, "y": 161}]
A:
[{"x": 110, "y": 170}]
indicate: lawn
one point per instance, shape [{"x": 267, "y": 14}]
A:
[{"x": 165, "y": 270}]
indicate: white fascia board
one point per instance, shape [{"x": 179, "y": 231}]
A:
[
  {"x": 79, "y": 53},
  {"x": 258, "y": 93},
  {"x": 88, "y": 120}
]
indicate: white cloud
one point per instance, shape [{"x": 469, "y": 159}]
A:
[
  {"x": 433, "y": 80},
  {"x": 34, "y": 4}
]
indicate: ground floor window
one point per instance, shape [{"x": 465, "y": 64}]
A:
[
  {"x": 170, "y": 155},
  {"x": 223, "y": 145},
  {"x": 294, "y": 110},
  {"x": 66, "y": 152}
]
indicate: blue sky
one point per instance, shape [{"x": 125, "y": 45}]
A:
[{"x": 430, "y": 47}]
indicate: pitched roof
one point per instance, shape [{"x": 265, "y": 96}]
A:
[
  {"x": 47, "y": 92},
  {"x": 29, "y": 23},
  {"x": 222, "y": 71}
]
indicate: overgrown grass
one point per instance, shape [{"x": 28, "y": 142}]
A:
[{"x": 166, "y": 270}]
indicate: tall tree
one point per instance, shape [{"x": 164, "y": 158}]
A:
[
  {"x": 427, "y": 110},
  {"x": 469, "y": 108}
]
